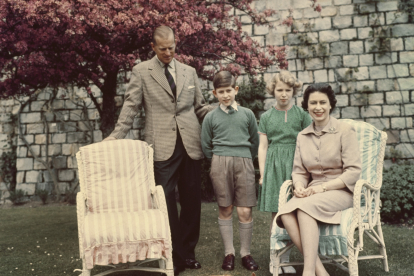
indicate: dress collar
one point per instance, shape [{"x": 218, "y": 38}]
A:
[{"x": 331, "y": 127}]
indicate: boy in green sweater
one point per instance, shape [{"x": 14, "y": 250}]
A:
[{"x": 230, "y": 139}]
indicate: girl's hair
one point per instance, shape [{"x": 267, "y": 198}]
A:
[
  {"x": 286, "y": 77},
  {"x": 322, "y": 88}
]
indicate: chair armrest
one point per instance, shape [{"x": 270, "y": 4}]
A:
[
  {"x": 81, "y": 212},
  {"x": 285, "y": 191},
  {"x": 158, "y": 199}
]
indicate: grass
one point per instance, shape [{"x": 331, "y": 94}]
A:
[{"x": 43, "y": 241}]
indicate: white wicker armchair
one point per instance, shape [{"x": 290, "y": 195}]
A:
[
  {"x": 122, "y": 215},
  {"x": 363, "y": 218}
]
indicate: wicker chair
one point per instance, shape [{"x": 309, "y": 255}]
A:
[
  {"x": 122, "y": 215},
  {"x": 363, "y": 218}
]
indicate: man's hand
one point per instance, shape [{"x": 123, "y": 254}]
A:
[{"x": 109, "y": 138}]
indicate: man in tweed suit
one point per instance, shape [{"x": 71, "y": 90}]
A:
[{"x": 171, "y": 96}]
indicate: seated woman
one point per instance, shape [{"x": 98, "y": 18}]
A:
[{"x": 325, "y": 169}]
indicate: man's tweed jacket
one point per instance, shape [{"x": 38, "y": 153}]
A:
[{"x": 149, "y": 88}]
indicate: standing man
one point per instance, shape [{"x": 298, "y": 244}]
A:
[{"x": 171, "y": 96}]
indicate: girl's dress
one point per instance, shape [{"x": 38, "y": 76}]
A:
[{"x": 282, "y": 128}]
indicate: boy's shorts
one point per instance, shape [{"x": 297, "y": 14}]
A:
[{"x": 233, "y": 180}]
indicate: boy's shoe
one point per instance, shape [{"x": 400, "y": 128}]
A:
[
  {"x": 192, "y": 263},
  {"x": 228, "y": 262},
  {"x": 249, "y": 263}
]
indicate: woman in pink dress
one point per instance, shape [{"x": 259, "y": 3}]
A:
[{"x": 325, "y": 169}]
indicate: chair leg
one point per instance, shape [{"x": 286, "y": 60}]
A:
[
  {"x": 352, "y": 262},
  {"x": 85, "y": 271},
  {"x": 161, "y": 263},
  {"x": 383, "y": 251},
  {"x": 275, "y": 262}
]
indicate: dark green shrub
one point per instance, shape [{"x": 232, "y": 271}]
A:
[
  {"x": 252, "y": 94},
  {"x": 43, "y": 195},
  {"x": 397, "y": 194},
  {"x": 17, "y": 196}
]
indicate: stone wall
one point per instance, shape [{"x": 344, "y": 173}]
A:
[{"x": 372, "y": 76}]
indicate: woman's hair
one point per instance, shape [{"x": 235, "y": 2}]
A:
[
  {"x": 322, "y": 88},
  {"x": 286, "y": 77}
]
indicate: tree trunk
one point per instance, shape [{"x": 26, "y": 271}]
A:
[{"x": 108, "y": 104}]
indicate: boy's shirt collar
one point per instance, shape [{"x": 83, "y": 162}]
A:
[{"x": 224, "y": 108}]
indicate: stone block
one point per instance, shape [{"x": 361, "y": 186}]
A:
[
  {"x": 28, "y": 189},
  {"x": 24, "y": 164},
  {"x": 387, "y": 6},
  {"x": 342, "y": 100},
  {"x": 76, "y": 115},
  {"x": 329, "y": 36},
  {"x": 71, "y": 104},
  {"x": 314, "y": 63},
  {"x": 398, "y": 70},
  {"x": 291, "y": 68},
  {"x": 391, "y": 110},
  {"x": 402, "y": 30},
  {"x": 35, "y": 128},
  {"x": 396, "y": 44},
  {"x": 305, "y": 76},
  {"x": 380, "y": 123},
  {"x": 376, "y": 98},
  {"x": 55, "y": 149},
  {"x": 37, "y": 105},
  {"x": 333, "y": 62},
  {"x": 39, "y": 165},
  {"x": 348, "y": 34},
  {"x": 66, "y": 175},
  {"x": 247, "y": 29},
  {"x": 339, "y": 48},
  {"x": 359, "y": 99},
  {"x": 40, "y": 139},
  {"x": 49, "y": 116},
  {"x": 346, "y": 10},
  {"x": 350, "y": 112},
  {"x": 350, "y": 60},
  {"x": 386, "y": 59},
  {"x": 58, "y": 138},
  {"x": 371, "y": 111},
  {"x": 35, "y": 149},
  {"x": 401, "y": 122},
  {"x": 67, "y": 126},
  {"x": 356, "y": 47},
  {"x": 97, "y": 136},
  {"x": 300, "y": 4},
  {"x": 408, "y": 109},
  {"x": 310, "y": 13},
  {"x": 376, "y": 19},
  {"x": 366, "y": 59},
  {"x": 53, "y": 127},
  {"x": 393, "y": 136},
  {"x": 378, "y": 72},
  {"x": 409, "y": 43},
  {"x": 395, "y": 17},
  {"x": 260, "y": 30},
  {"x": 32, "y": 177},
  {"x": 59, "y": 162},
  {"x": 342, "y": 22},
  {"x": 366, "y": 8},
  {"x": 361, "y": 21},
  {"x": 365, "y": 86},
  {"x": 407, "y": 135},
  {"x": 364, "y": 33},
  {"x": 397, "y": 97},
  {"x": 20, "y": 177},
  {"x": 305, "y": 52},
  {"x": 72, "y": 162},
  {"x": 62, "y": 115},
  {"x": 258, "y": 39},
  {"x": 404, "y": 83},
  {"x": 386, "y": 84},
  {"x": 63, "y": 187},
  {"x": 407, "y": 149},
  {"x": 342, "y": 2},
  {"x": 407, "y": 57},
  {"x": 58, "y": 104},
  {"x": 21, "y": 151},
  {"x": 361, "y": 74},
  {"x": 331, "y": 75},
  {"x": 27, "y": 118},
  {"x": 274, "y": 39},
  {"x": 320, "y": 76},
  {"x": 329, "y": 11}
]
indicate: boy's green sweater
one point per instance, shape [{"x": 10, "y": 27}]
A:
[{"x": 230, "y": 134}]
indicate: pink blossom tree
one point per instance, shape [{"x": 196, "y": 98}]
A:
[{"x": 56, "y": 42}]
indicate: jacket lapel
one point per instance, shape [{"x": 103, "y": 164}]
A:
[
  {"x": 181, "y": 75},
  {"x": 157, "y": 72}
]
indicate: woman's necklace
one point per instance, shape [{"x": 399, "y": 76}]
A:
[{"x": 318, "y": 129}]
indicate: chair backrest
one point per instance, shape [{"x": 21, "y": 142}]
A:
[
  {"x": 116, "y": 176},
  {"x": 372, "y": 147}
]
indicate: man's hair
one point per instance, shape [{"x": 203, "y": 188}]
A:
[
  {"x": 224, "y": 79},
  {"x": 162, "y": 32}
]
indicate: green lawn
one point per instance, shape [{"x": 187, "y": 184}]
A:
[{"x": 43, "y": 241}]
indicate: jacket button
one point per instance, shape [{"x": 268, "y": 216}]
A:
[
  {"x": 172, "y": 101},
  {"x": 177, "y": 114},
  {"x": 173, "y": 128}
]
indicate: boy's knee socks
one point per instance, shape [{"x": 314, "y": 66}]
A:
[
  {"x": 246, "y": 231},
  {"x": 226, "y": 231}
]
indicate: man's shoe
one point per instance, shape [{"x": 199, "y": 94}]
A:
[
  {"x": 228, "y": 262},
  {"x": 192, "y": 263},
  {"x": 249, "y": 263},
  {"x": 178, "y": 269}
]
